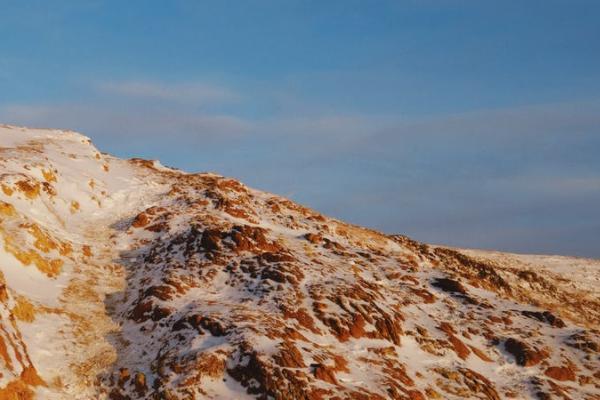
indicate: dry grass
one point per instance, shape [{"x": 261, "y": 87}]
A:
[
  {"x": 49, "y": 176},
  {"x": 50, "y": 267},
  {"x": 7, "y": 190},
  {"x": 7, "y": 209},
  {"x": 30, "y": 190},
  {"x": 24, "y": 310}
]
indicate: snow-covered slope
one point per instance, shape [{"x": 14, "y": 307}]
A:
[{"x": 124, "y": 279}]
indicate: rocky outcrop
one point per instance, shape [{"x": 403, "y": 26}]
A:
[{"x": 144, "y": 282}]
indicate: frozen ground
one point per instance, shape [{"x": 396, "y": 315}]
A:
[{"x": 124, "y": 279}]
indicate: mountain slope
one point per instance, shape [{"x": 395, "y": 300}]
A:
[{"x": 124, "y": 279}]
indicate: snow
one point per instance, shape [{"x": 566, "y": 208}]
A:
[
  {"x": 82, "y": 332},
  {"x": 29, "y": 280}
]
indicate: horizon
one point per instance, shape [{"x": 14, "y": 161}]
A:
[{"x": 459, "y": 123}]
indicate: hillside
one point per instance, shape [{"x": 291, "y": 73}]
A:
[{"x": 124, "y": 279}]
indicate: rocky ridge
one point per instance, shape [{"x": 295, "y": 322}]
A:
[{"x": 124, "y": 279}]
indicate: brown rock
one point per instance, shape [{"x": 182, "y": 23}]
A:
[
  {"x": 162, "y": 292},
  {"x": 289, "y": 356},
  {"x": 524, "y": 355},
  {"x": 325, "y": 373},
  {"x": 140, "y": 220},
  {"x": 140, "y": 383},
  {"x": 357, "y": 329},
  {"x": 477, "y": 383},
  {"x": 124, "y": 376},
  {"x": 115, "y": 394},
  {"x": 459, "y": 347},
  {"x": 426, "y": 295},
  {"x": 415, "y": 395},
  {"x": 449, "y": 285},
  {"x": 545, "y": 316},
  {"x": 211, "y": 240},
  {"x": 159, "y": 313},
  {"x": 479, "y": 353},
  {"x": 313, "y": 238},
  {"x": 87, "y": 251},
  {"x": 560, "y": 373},
  {"x": 140, "y": 311}
]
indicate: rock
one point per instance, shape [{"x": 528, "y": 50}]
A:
[
  {"x": 313, "y": 238},
  {"x": 162, "y": 292},
  {"x": 524, "y": 355},
  {"x": 141, "y": 310},
  {"x": 415, "y": 395},
  {"x": 211, "y": 240},
  {"x": 357, "y": 329},
  {"x": 584, "y": 342},
  {"x": 560, "y": 373},
  {"x": 289, "y": 356},
  {"x": 459, "y": 347},
  {"x": 449, "y": 285},
  {"x": 325, "y": 373},
  {"x": 114, "y": 394},
  {"x": 140, "y": 383},
  {"x": 545, "y": 316},
  {"x": 124, "y": 376},
  {"x": 140, "y": 220},
  {"x": 159, "y": 313}
]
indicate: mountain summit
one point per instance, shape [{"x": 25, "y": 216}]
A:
[{"x": 124, "y": 279}]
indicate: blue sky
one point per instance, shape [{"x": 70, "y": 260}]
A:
[{"x": 469, "y": 123}]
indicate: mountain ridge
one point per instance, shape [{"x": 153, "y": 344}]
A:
[{"x": 124, "y": 279}]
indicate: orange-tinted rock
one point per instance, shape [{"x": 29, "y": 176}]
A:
[
  {"x": 313, "y": 238},
  {"x": 87, "y": 251},
  {"x": 560, "y": 373},
  {"x": 446, "y": 328},
  {"x": 140, "y": 220},
  {"x": 415, "y": 395},
  {"x": 427, "y": 296},
  {"x": 459, "y": 347},
  {"x": 357, "y": 329},
  {"x": 325, "y": 373},
  {"x": 477, "y": 383},
  {"x": 302, "y": 316},
  {"x": 479, "y": 353},
  {"x": 289, "y": 356},
  {"x": 390, "y": 329}
]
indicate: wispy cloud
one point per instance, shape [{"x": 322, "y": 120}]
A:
[
  {"x": 110, "y": 122},
  {"x": 190, "y": 92}
]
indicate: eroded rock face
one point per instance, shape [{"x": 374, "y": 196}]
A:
[{"x": 202, "y": 288}]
